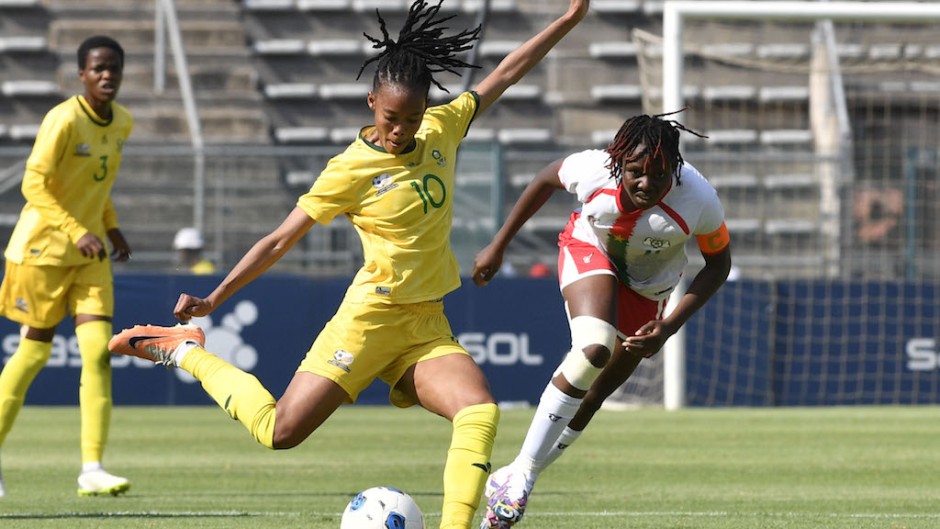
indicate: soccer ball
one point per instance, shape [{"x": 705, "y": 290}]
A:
[{"x": 382, "y": 508}]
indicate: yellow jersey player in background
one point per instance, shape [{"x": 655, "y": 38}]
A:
[
  {"x": 395, "y": 183},
  {"x": 57, "y": 261}
]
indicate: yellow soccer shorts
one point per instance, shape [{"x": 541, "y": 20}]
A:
[
  {"x": 365, "y": 341},
  {"x": 40, "y": 296}
]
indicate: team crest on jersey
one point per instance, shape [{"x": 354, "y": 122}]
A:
[
  {"x": 439, "y": 158},
  {"x": 83, "y": 149},
  {"x": 342, "y": 359},
  {"x": 383, "y": 183},
  {"x": 383, "y": 291},
  {"x": 656, "y": 244}
]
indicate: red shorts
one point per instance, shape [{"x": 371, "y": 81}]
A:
[{"x": 577, "y": 260}]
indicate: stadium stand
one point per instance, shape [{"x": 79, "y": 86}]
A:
[{"x": 282, "y": 74}]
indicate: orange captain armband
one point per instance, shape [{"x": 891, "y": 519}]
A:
[{"x": 714, "y": 242}]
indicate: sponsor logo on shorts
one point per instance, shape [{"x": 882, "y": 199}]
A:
[
  {"x": 83, "y": 149},
  {"x": 342, "y": 359},
  {"x": 22, "y": 305}
]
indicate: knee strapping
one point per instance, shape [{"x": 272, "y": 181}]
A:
[{"x": 586, "y": 331}]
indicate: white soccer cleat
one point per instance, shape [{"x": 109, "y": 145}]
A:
[
  {"x": 155, "y": 343},
  {"x": 508, "y": 491},
  {"x": 99, "y": 482}
]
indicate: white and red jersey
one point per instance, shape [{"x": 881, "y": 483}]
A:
[{"x": 645, "y": 247}]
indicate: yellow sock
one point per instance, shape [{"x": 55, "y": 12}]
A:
[
  {"x": 16, "y": 377},
  {"x": 240, "y": 394},
  {"x": 468, "y": 464},
  {"x": 94, "y": 394}
]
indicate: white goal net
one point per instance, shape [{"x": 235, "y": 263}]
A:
[{"x": 822, "y": 125}]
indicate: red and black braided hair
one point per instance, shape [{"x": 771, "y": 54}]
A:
[
  {"x": 420, "y": 51},
  {"x": 660, "y": 136}
]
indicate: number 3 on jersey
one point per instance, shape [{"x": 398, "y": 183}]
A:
[{"x": 430, "y": 188}]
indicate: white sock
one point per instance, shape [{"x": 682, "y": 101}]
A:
[
  {"x": 181, "y": 351},
  {"x": 92, "y": 466},
  {"x": 566, "y": 439},
  {"x": 553, "y": 414}
]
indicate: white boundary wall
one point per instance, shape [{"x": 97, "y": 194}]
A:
[{"x": 674, "y": 15}]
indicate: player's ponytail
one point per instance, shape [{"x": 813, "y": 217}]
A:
[{"x": 420, "y": 51}]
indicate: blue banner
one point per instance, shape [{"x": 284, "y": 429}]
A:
[
  {"x": 515, "y": 329},
  {"x": 755, "y": 343}
]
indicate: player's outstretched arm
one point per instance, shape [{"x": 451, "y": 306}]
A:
[
  {"x": 518, "y": 63},
  {"x": 259, "y": 258},
  {"x": 488, "y": 261}
]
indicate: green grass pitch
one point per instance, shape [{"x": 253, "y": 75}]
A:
[{"x": 192, "y": 467}]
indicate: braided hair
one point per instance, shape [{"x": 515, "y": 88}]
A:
[
  {"x": 660, "y": 136},
  {"x": 420, "y": 51}
]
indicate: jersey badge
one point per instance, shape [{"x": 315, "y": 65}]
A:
[
  {"x": 383, "y": 183},
  {"x": 83, "y": 149},
  {"x": 441, "y": 160},
  {"x": 656, "y": 244},
  {"x": 383, "y": 291}
]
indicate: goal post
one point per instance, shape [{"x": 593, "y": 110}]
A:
[{"x": 675, "y": 15}]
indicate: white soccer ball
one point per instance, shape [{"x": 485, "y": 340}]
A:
[{"x": 382, "y": 508}]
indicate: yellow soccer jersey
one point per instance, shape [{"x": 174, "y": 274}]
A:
[
  {"x": 401, "y": 206},
  {"x": 67, "y": 183}
]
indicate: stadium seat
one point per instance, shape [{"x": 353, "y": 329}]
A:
[
  {"x": 23, "y": 44},
  {"x": 26, "y": 88},
  {"x": 616, "y": 6},
  {"x": 299, "y": 178},
  {"x": 480, "y": 134},
  {"x": 498, "y": 48},
  {"x": 885, "y": 52},
  {"x": 10, "y": 4},
  {"x": 777, "y": 182},
  {"x": 301, "y": 134},
  {"x": 783, "y": 51},
  {"x": 23, "y": 132},
  {"x": 522, "y": 92},
  {"x": 384, "y": 6},
  {"x": 280, "y": 47},
  {"x": 743, "y": 226},
  {"x": 732, "y": 136},
  {"x": 344, "y": 91},
  {"x": 735, "y": 181},
  {"x": 850, "y": 51},
  {"x": 524, "y": 135},
  {"x": 608, "y": 93},
  {"x": 344, "y": 134},
  {"x": 439, "y": 96},
  {"x": 602, "y": 137},
  {"x": 612, "y": 50},
  {"x": 336, "y": 47},
  {"x": 496, "y": 6},
  {"x": 323, "y": 5},
  {"x": 729, "y": 48},
  {"x": 729, "y": 93},
  {"x": 290, "y": 91},
  {"x": 767, "y": 94},
  {"x": 789, "y": 227},
  {"x": 786, "y": 137},
  {"x": 268, "y": 5}
]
